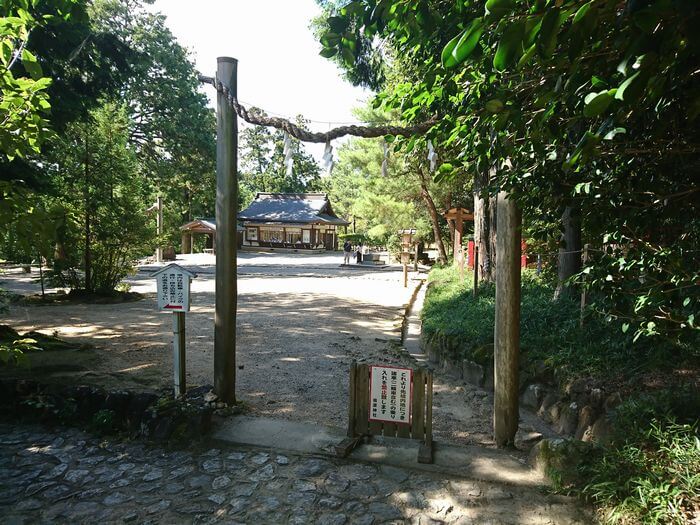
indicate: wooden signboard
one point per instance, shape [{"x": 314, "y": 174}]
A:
[
  {"x": 173, "y": 284},
  {"x": 390, "y": 402}
]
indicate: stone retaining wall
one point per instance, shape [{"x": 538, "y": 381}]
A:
[
  {"x": 144, "y": 414},
  {"x": 578, "y": 409}
]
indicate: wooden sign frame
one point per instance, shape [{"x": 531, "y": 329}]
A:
[{"x": 359, "y": 425}]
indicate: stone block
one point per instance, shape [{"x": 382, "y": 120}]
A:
[
  {"x": 137, "y": 407},
  {"x": 553, "y": 410},
  {"x": 473, "y": 373},
  {"x": 550, "y": 398},
  {"x": 118, "y": 402},
  {"x": 434, "y": 350},
  {"x": 586, "y": 418},
  {"x": 568, "y": 420},
  {"x": 600, "y": 432},
  {"x": 532, "y": 397},
  {"x": 597, "y": 398},
  {"x": 612, "y": 401}
]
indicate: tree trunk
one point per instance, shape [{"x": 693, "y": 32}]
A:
[
  {"x": 432, "y": 211},
  {"x": 491, "y": 266},
  {"x": 41, "y": 274},
  {"x": 450, "y": 224},
  {"x": 569, "y": 262},
  {"x": 186, "y": 214},
  {"x": 485, "y": 227},
  {"x": 86, "y": 197}
]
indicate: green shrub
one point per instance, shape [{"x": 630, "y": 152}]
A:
[
  {"x": 104, "y": 421},
  {"x": 550, "y": 331},
  {"x": 12, "y": 352},
  {"x": 650, "y": 473}
]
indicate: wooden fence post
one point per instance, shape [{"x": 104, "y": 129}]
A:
[
  {"x": 159, "y": 228},
  {"x": 507, "y": 325},
  {"x": 583, "y": 289},
  {"x": 476, "y": 270},
  {"x": 226, "y": 212}
]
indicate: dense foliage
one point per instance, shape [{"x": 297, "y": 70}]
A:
[
  {"x": 99, "y": 196},
  {"x": 586, "y": 105},
  {"x": 649, "y": 473},
  {"x": 129, "y": 123},
  {"x": 549, "y": 335}
]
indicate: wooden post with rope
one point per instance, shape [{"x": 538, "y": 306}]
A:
[
  {"x": 226, "y": 212},
  {"x": 507, "y": 326}
]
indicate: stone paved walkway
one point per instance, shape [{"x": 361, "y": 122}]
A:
[{"x": 67, "y": 476}]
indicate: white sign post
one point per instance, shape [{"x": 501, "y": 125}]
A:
[
  {"x": 390, "y": 394},
  {"x": 174, "y": 296}
]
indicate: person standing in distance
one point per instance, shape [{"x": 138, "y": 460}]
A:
[{"x": 347, "y": 250}]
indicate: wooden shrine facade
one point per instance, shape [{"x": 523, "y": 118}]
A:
[{"x": 303, "y": 221}]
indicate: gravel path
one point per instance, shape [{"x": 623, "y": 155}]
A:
[
  {"x": 67, "y": 476},
  {"x": 301, "y": 321}
]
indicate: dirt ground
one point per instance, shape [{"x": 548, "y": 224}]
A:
[{"x": 301, "y": 321}]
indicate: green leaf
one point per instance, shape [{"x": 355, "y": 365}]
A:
[
  {"x": 461, "y": 46},
  {"x": 494, "y": 106},
  {"x": 611, "y": 134},
  {"x": 446, "y": 57},
  {"x": 468, "y": 41},
  {"x": 330, "y": 39},
  {"x": 632, "y": 88},
  {"x": 625, "y": 327},
  {"x": 510, "y": 46},
  {"x": 527, "y": 56},
  {"x": 30, "y": 64},
  {"x": 328, "y": 52},
  {"x": 581, "y": 13},
  {"x": 497, "y": 9},
  {"x": 596, "y": 103},
  {"x": 338, "y": 24},
  {"x": 348, "y": 56},
  {"x": 547, "y": 40}
]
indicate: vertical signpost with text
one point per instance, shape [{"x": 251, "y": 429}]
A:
[{"x": 173, "y": 283}]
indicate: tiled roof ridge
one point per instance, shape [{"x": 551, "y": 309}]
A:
[{"x": 292, "y": 195}]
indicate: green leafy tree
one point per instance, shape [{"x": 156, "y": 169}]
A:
[
  {"x": 263, "y": 166},
  {"x": 568, "y": 105},
  {"x": 173, "y": 130},
  {"x": 98, "y": 186}
]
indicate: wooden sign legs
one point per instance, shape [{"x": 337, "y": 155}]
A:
[{"x": 359, "y": 426}]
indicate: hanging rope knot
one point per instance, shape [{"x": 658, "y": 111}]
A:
[{"x": 259, "y": 118}]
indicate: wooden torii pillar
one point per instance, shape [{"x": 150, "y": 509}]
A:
[{"x": 458, "y": 215}]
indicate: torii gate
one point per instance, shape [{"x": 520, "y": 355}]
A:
[
  {"x": 507, "y": 324},
  {"x": 458, "y": 216}
]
